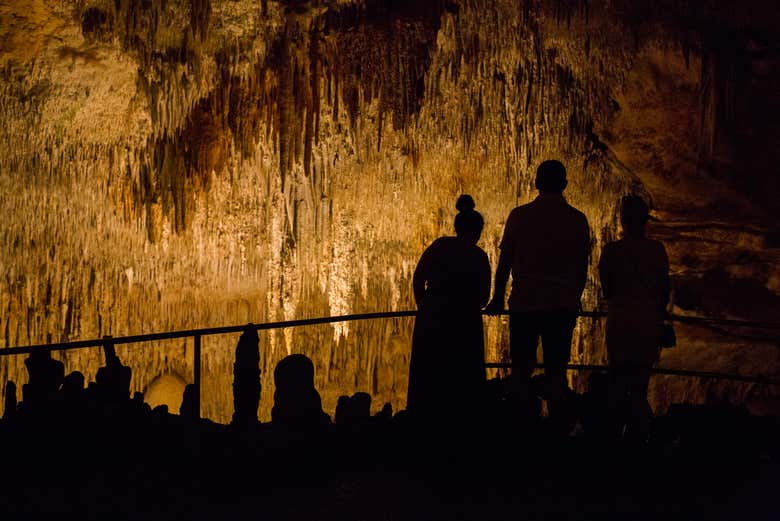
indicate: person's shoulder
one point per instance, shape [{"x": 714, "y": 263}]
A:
[
  {"x": 519, "y": 210},
  {"x": 479, "y": 252},
  {"x": 479, "y": 258},
  {"x": 657, "y": 247},
  {"x": 576, "y": 221},
  {"x": 448, "y": 241},
  {"x": 577, "y": 214},
  {"x": 524, "y": 210},
  {"x": 517, "y": 213},
  {"x": 650, "y": 245},
  {"x": 438, "y": 243}
]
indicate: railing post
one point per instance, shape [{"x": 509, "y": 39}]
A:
[
  {"x": 196, "y": 374},
  {"x": 109, "y": 351}
]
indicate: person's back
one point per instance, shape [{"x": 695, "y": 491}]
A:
[
  {"x": 545, "y": 247},
  {"x": 45, "y": 377},
  {"x": 635, "y": 272},
  {"x": 457, "y": 275},
  {"x": 451, "y": 284},
  {"x": 549, "y": 241}
]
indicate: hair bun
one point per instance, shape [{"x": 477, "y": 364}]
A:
[{"x": 465, "y": 203}]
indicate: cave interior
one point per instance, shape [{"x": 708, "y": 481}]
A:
[{"x": 178, "y": 164}]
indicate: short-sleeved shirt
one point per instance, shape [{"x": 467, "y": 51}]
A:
[
  {"x": 636, "y": 273},
  {"x": 548, "y": 241}
]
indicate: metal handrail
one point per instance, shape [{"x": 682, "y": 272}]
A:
[
  {"x": 184, "y": 333},
  {"x": 658, "y": 370},
  {"x": 197, "y": 334}
]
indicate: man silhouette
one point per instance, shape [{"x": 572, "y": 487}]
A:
[{"x": 546, "y": 245}]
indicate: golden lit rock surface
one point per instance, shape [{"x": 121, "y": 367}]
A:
[{"x": 181, "y": 164}]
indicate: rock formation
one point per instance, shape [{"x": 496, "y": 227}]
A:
[{"x": 191, "y": 163}]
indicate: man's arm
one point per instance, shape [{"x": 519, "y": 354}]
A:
[
  {"x": 503, "y": 269},
  {"x": 582, "y": 276},
  {"x": 664, "y": 283},
  {"x": 505, "y": 260},
  {"x": 605, "y": 273},
  {"x": 421, "y": 273}
]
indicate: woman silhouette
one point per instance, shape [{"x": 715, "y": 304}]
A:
[
  {"x": 634, "y": 274},
  {"x": 451, "y": 286}
]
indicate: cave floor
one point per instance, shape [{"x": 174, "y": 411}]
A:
[{"x": 169, "y": 469}]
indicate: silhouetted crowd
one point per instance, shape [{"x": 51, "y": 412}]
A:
[
  {"x": 109, "y": 453},
  {"x": 546, "y": 248},
  {"x": 52, "y": 400}
]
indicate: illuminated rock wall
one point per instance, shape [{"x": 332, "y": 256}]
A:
[{"x": 192, "y": 163}]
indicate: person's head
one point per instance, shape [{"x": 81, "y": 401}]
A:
[
  {"x": 634, "y": 214},
  {"x": 551, "y": 177},
  {"x": 468, "y": 222}
]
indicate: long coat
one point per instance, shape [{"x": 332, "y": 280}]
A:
[{"x": 452, "y": 284}]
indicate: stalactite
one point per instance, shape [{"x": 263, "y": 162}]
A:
[
  {"x": 200, "y": 13},
  {"x": 294, "y": 164}
]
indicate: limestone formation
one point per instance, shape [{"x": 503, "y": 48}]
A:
[{"x": 192, "y": 163}]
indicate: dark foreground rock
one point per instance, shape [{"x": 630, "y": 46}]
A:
[{"x": 701, "y": 463}]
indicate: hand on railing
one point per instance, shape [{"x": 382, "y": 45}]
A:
[{"x": 494, "y": 307}]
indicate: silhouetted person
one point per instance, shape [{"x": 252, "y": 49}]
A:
[
  {"x": 9, "y": 404},
  {"x": 189, "y": 404},
  {"x": 160, "y": 410},
  {"x": 297, "y": 403},
  {"x": 634, "y": 274},
  {"x": 139, "y": 405},
  {"x": 354, "y": 409},
  {"x": 343, "y": 410},
  {"x": 73, "y": 386},
  {"x": 386, "y": 414},
  {"x": 246, "y": 378},
  {"x": 545, "y": 246},
  {"x": 45, "y": 377},
  {"x": 361, "y": 405},
  {"x": 73, "y": 398},
  {"x": 451, "y": 285},
  {"x": 113, "y": 379}
]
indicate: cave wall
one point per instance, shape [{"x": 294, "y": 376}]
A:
[{"x": 181, "y": 164}]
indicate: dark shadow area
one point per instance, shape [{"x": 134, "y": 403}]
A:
[{"x": 97, "y": 452}]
